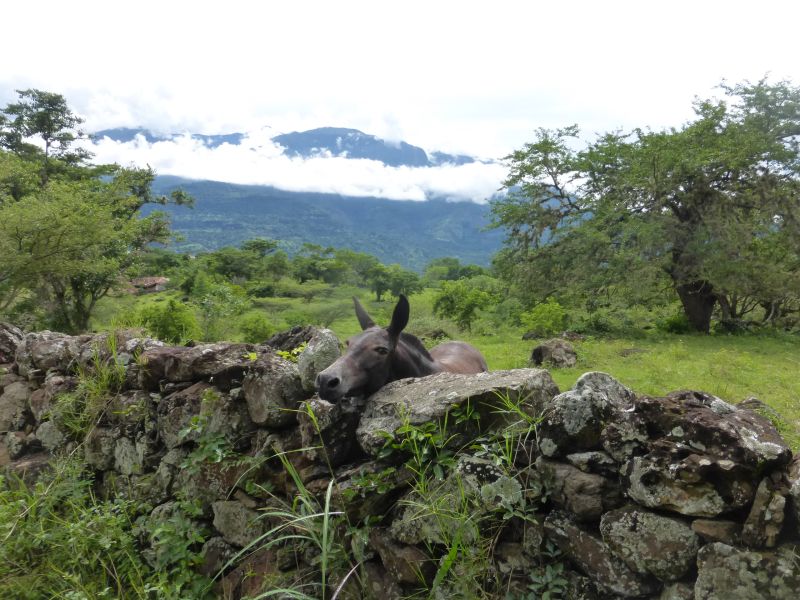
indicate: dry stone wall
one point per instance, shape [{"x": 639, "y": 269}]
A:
[{"x": 682, "y": 496}]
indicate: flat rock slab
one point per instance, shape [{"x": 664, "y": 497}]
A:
[{"x": 419, "y": 400}]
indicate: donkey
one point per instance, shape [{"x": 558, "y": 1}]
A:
[{"x": 377, "y": 356}]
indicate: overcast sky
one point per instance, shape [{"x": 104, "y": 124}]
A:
[{"x": 462, "y": 77}]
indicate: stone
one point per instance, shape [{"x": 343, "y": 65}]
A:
[
  {"x": 128, "y": 459},
  {"x": 556, "y": 353},
  {"x": 728, "y": 573},
  {"x": 291, "y": 339},
  {"x": 273, "y": 391},
  {"x": 405, "y": 564},
  {"x": 255, "y": 574},
  {"x": 793, "y": 509},
  {"x": 708, "y": 425},
  {"x": 690, "y": 486},
  {"x": 217, "y": 553},
  {"x": 201, "y": 409},
  {"x": 718, "y": 530},
  {"x": 30, "y": 466},
  {"x": 51, "y": 436},
  {"x": 594, "y": 558},
  {"x": 585, "y": 495},
  {"x": 574, "y": 421},
  {"x": 10, "y": 338},
  {"x": 129, "y": 410},
  {"x": 594, "y": 461},
  {"x": 19, "y": 443},
  {"x": 238, "y": 525},
  {"x": 55, "y": 383},
  {"x": 14, "y": 406},
  {"x": 419, "y": 400},
  {"x": 378, "y": 584},
  {"x": 764, "y": 523},
  {"x": 44, "y": 351},
  {"x": 329, "y": 436},
  {"x": 98, "y": 448},
  {"x": 677, "y": 591},
  {"x": 223, "y": 364},
  {"x": 650, "y": 543},
  {"x": 321, "y": 352}
]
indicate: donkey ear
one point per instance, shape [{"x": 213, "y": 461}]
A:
[
  {"x": 363, "y": 318},
  {"x": 399, "y": 317}
]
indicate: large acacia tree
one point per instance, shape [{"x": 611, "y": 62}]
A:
[{"x": 712, "y": 208}]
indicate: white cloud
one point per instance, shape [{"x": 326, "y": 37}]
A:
[{"x": 259, "y": 161}]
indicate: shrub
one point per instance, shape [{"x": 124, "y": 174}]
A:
[
  {"x": 255, "y": 328},
  {"x": 545, "y": 319},
  {"x": 676, "y": 323},
  {"x": 173, "y": 322}
]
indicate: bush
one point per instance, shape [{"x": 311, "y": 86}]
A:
[
  {"x": 173, "y": 322},
  {"x": 676, "y": 323},
  {"x": 545, "y": 319},
  {"x": 255, "y": 328}
]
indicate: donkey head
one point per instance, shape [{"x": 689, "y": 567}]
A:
[{"x": 366, "y": 366}]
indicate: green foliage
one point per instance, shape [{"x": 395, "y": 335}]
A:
[
  {"x": 256, "y": 328},
  {"x": 676, "y": 323},
  {"x": 710, "y": 209},
  {"x": 60, "y": 541},
  {"x": 78, "y": 411},
  {"x": 293, "y": 354},
  {"x": 547, "y": 318},
  {"x": 461, "y": 300},
  {"x": 173, "y": 322}
]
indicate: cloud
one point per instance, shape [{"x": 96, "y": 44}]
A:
[{"x": 259, "y": 161}]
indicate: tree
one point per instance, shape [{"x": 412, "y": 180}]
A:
[
  {"x": 689, "y": 202},
  {"x": 460, "y": 301},
  {"x": 43, "y": 115}
]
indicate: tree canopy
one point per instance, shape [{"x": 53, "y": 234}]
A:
[{"x": 710, "y": 209}]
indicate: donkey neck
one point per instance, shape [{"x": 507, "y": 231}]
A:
[{"x": 411, "y": 359}]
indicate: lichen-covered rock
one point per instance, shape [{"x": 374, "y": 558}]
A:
[
  {"x": 14, "y": 400},
  {"x": 328, "y": 431},
  {"x": 273, "y": 391},
  {"x": 423, "y": 399},
  {"x": 677, "y": 591},
  {"x": 129, "y": 411},
  {"x": 51, "y": 436},
  {"x": 128, "y": 459},
  {"x": 555, "y": 353},
  {"x": 573, "y": 421},
  {"x": 98, "y": 448},
  {"x": 650, "y": 543},
  {"x": 201, "y": 409},
  {"x": 584, "y": 495},
  {"x": 378, "y": 584},
  {"x": 223, "y": 364},
  {"x": 793, "y": 482},
  {"x": 728, "y": 573},
  {"x": 48, "y": 350},
  {"x": 405, "y": 564},
  {"x": 718, "y": 530},
  {"x": 592, "y": 556},
  {"x": 10, "y": 338},
  {"x": 594, "y": 461},
  {"x": 216, "y": 554},
  {"x": 764, "y": 523},
  {"x": 55, "y": 384},
  {"x": 321, "y": 352},
  {"x": 19, "y": 443},
  {"x": 237, "y": 524},
  {"x": 695, "y": 485}
]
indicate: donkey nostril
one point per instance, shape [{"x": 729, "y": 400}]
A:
[{"x": 333, "y": 382}]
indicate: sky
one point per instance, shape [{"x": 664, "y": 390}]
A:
[{"x": 461, "y": 77}]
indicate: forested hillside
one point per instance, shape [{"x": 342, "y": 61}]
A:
[{"x": 405, "y": 232}]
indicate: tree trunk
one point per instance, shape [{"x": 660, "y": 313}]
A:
[{"x": 698, "y": 299}]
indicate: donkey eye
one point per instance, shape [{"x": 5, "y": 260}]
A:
[{"x": 382, "y": 350}]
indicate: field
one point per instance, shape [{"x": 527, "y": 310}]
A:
[{"x": 732, "y": 367}]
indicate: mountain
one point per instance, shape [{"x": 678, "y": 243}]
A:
[
  {"x": 405, "y": 232},
  {"x": 128, "y": 134},
  {"x": 333, "y": 141}
]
